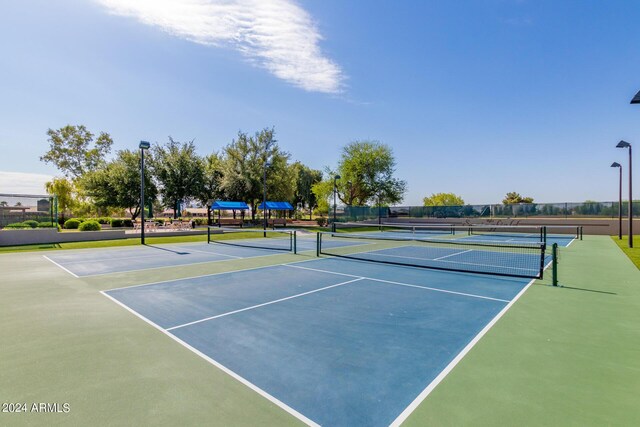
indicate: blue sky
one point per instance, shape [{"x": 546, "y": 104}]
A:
[{"x": 475, "y": 97}]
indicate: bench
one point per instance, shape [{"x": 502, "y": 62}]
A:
[
  {"x": 277, "y": 221},
  {"x": 230, "y": 221}
]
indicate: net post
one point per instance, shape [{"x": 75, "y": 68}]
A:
[
  {"x": 544, "y": 234},
  {"x": 554, "y": 264},
  {"x": 208, "y": 235},
  {"x": 295, "y": 246},
  {"x": 581, "y": 230},
  {"x": 318, "y": 238}
]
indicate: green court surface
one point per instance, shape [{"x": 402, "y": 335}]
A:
[{"x": 559, "y": 356}]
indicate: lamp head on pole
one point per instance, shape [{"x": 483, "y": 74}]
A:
[
  {"x": 636, "y": 99},
  {"x": 623, "y": 144},
  {"x": 616, "y": 165},
  {"x": 336, "y": 177},
  {"x": 144, "y": 145}
]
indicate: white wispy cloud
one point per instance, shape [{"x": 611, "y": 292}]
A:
[
  {"x": 277, "y": 35},
  {"x": 23, "y": 183}
]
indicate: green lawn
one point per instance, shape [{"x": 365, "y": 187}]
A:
[{"x": 632, "y": 253}]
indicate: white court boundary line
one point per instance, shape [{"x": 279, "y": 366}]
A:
[
  {"x": 68, "y": 271},
  {"x": 265, "y": 304},
  {"x": 218, "y": 365},
  {"x": 437, "y": 380}
]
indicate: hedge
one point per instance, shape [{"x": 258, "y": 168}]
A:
[
  {"x": 72, "y": 224},
  {"x": 90, "y": 226}
]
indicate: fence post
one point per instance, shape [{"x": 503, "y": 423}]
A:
[{"x": 554, "y": 264}]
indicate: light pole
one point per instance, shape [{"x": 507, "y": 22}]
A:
[
  {"x": 264, "y": 198},
  {"x": 335, "y": 192},
  {"x": 144, "y": 145},
  {"x": 625, "y": 144},
  {"x": 619, "y": 166},
  {"x": 350, "y": 185}
]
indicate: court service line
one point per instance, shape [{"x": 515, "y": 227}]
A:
[
  {"x": 200, "y": 276},
  {"x": 428, "y": 288},
  {"x": 151, "y": 255},
  {"x": 456, "y": 253},
  {"x": 208, "y": 252},
  {"x": 437, "y": 380},
  {"x": 264, "y": 304},
  {"x": 68, "y": 271},
  {"x": 218, "y": 365},
  {"x": 175, "y": 266}
]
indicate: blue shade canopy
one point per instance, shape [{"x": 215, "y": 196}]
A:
[
  {"x": 224, "y": 205},
  {"x": 277, "y": 206}
]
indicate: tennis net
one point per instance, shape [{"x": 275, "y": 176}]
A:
[
  {"x": 276, "y": 240},
  {"x": 535, "y": 232},
  {"x": 521, "y": 259},
  {"x": 399, "y": 228}
]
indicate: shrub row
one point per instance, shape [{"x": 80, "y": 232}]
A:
[
  {"x": 30, "y": 224},
  {"x": 90, "y": 226},
  {"x": 76, "y": 223}
]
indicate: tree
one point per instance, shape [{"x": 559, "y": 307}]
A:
[
  {"x": 117, "y": 184},
  {"x": 64, "y": 190},
  {"x": 513, "y": 197},
  {"x": 443, "y": 199},
  {"x": 177, "y": 168},
  {"x": 210, "y": 187},
  {"x": 73, "y": 150},
  {"x": 366, "y": 171},
  {"x": 306, "y": 178},
  {"x": 4, "y": 203},
  {"x": 322, "y": 191},
  {"x": 243, "y": 169}
]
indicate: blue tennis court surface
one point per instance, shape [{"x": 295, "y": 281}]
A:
[
  {"x": 340, "y": 342},
  {"x": 116, "y": 260}
]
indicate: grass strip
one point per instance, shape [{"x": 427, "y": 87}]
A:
[{"x": 632, "y": 253}]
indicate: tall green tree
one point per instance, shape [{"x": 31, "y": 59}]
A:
[
  {"x": 73, "y": 150},
  {"x": 117, "y": 184},
  {"x": 177, "y": 167},
  {"x": 244, "y": 167},
  {"x": 366, "y": 170},
  {"x": 513, "y": 197},
  {"x": 306, "y": 178},
  {"x": 64, "y": 190},
  {"x": 443, "y": 199},
  {"x": 210, "y": 187}
]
